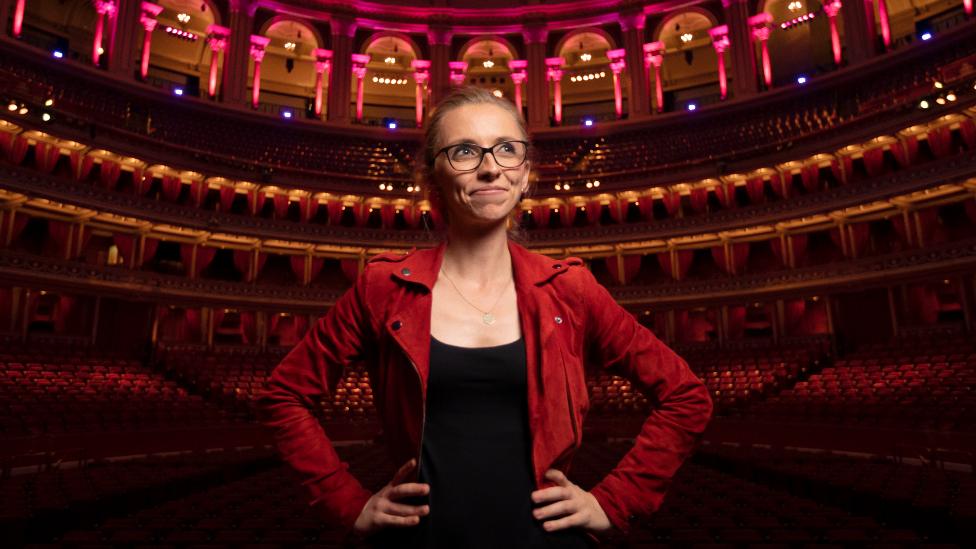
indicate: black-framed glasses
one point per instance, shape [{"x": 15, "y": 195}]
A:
[{"x": 467, "y": 157}]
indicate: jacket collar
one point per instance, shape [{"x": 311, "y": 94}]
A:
[{"x": 530, "y": 268}]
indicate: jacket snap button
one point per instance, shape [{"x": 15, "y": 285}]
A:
[
  {"x": 557, "y": 266},
  {"x": 397, "y": 324},
  {"x": 559, "y": 320},
  {"x": 405, "y": 271}
]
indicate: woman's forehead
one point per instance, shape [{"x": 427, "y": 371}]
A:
[{"x": 480, "y": 122}]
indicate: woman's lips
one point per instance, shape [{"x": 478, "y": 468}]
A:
[{"x": 490, "y": 191}]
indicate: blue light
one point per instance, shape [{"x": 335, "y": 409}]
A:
[
  {"x": 926, "y": 35},
  {"x": 178, "y": 91},
  {"x": 692, "y": 106},
  {"x": 58, "y": 54},
  {"x": 286, "y": 114},
  {"x": 801, "y": 79},
  {"x": 391, "y": 125},
  {"x": 587, "y": 122}
]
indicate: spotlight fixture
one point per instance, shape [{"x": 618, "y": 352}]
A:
[
  {"x": 692, "y": 106},
  {"x": 585, "y": 57},
  {"x": 498, "y": 93},
  {"x": 57, "y": 54},
  {"x": 588, "y": 122},
  {"x": 290, "y": 46},
  {"x": 178, "y": 91},
  {"x": 390, "y": 60},
  {"x": 488, "y": 63},
  {"x": 180, "y": 33},
  {"x": 926, "y": 36},
  {"x": 286, "y": 114},
  {"x": 801, "y": 79},
  {"x": 797, "y": 20},
  {"x": 46, "y": 117},
  {"x": 686, "y": 37},
  {"x": 183, "y": 18},
  {"x": 924, "y": 104},
  {"x": 49, "y": 103}
]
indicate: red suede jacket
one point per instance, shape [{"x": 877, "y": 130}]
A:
[{"x": 568, "y": 321}]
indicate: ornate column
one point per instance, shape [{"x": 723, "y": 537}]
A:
[
  {"x": 832, "y": 8},
  {"x": 617, "y": 64},
  {"x": 148, "y": 20},
  {"x": 237, "y": 53},
  {"x": 720, "y": 41},
  {"x": 258, "y": 49},
  {"x": 323, "y": 61},
  {"x": 537, "y": 84},
  {"x": 859, "y": 31},
  {"x": 217, "y": 38},
  {"x": 760, "y": 32},
  {"x": 739, "y": 38},
  {"x": 421, "y": 74},
  {"x": 654, "y": 55},
  {"x": 968, "y": 6},
  {"x": 519, "y": 75},
  {"x": 458, "y": 69},
  {"x": 632, "y": 25},
  {"x": 439, "y": 38},
  {"x": 103, "y": 8},
  {"x": 554, "y": 74},
  {"x": 343, "y": 29},
  {"x": 359, "y": 61}
]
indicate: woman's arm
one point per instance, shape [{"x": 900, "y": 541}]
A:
[
  {"x": 309, "y": 373},
  {"x": 620, "y": 345}
]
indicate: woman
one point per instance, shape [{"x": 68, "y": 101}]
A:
[{"x": 475, "y": 350}]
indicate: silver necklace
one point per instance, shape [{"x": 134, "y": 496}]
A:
[{"x": 486, "y": 316}]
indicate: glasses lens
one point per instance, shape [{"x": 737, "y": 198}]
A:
[
  {"x": 509, "y": 154},
  {"x": 464, "y": 156}
]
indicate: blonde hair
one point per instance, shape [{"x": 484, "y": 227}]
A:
[{"x": 468, "y": 95}]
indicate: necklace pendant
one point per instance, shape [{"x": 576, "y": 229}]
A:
[{"x": 488, "y": 318}]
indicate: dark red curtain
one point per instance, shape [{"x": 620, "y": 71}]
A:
[
  {"x": 874, "y": 161},
  {"x": 172, "y": 187},
  {"x": 699, "y": 199},
  {"x": 930, "y": 226},
  {"x": 618, "y": 209},
  {"x": 646, "y": 206},
  {"x": 967, "y": 129},
  {"x": 242, "y": 262},
  {"x": 684, "y": 257},
  {"x": 411, "y": 216},
  {"x": 740, "y": 256},
  {"x": 193, "y": 324},
  {"x": 793, "y": 312},
  {"x": 632, "y": 263},
  {"x": 737, "y": 321},
  {"x": 836, "y": 171},
  {"x": 799, "y": 243},
  {"x": 756, "y": 191},
  {"x": 309, "y": 207},
  {"x": 593, "y": 209},
  {"x": 108, "y": 175},
  {"x": 143, "y": 183},
  {"x": 149, "y": 249},
  {"x": 725, "y": 193},
  {"x": 940, "y": 141},
  {"x": 198, "y": 192},
  {"x": 281, "y": 206},
  {"x": 227, "y": 194},
  {"x": 898, "y": 223},
  {"x": 248, "y": 327},
  {"x": 567, "y": 212},
  {"x": 297, "y": 263},
  {"x": 255, "y": 200},
  {"x": 911, "y": 149},
  {"x": 388, "y": 215},
  {"x": 262, "y": 259},
  {"x": 20, "y": 221},
  {"x": 81, "y": 165},
  {"x": 778, "y": 184},
  {"x": 436, "y": 217},
  {"x": 60, "y": 232},
  {"x": 350, "y": 268},
  {"x": 15, "y": 147},
  {"x": 672, "y": 202},
  {"x": 541, "y": 215},
  {"x": 126, "y": 245},
  {"x": 62, "y": 313},
  {"x": 361, "y": 213},
  {"x": 46, "y": 156},
  {"x": 810, "y": 175},
  {"x": 971, "y": 210},
  {"x": 923, "y": 304},
  {"x": 334, "y": 207},
  {"x": 205, "y": 255}
]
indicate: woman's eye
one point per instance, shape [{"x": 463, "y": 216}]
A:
[
  {"x": 507, "y": 147},
  {"x": 462, "y": 150}
]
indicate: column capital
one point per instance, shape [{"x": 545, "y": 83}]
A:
[
  {"x": 149, "y": 14},
  {"x": 616, "y": 55},
  {"x": 535, "y": 33},
  {"x": 342, "y": 26},
  {"x": 323, "y": 59},
  {"x": 832, "y": 8},
  {"x": 440, "y": 36},
  {"x": 104, "y": 6},
  {"x": 554, "y": 67},
  {"x": 359, "y": 60},
  {"x": 653, "y": 53},
  {"x": 458, "y": 69},
  {"x": 618, "y": 66},
  {"x": 420, "y": 65},
  {"x": 518, "y": 65},
  {"x": 759, "y": 24},
  {"x": 720, "y": 37},
  {"x": 258, "y": 45},
  {"x": 217, "y": 37},
  {"x": 632, "y": 20}
]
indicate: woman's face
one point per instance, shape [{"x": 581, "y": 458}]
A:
[{"x": 465, "y": 194}]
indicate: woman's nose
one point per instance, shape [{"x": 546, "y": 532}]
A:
[{"x": 489, "y": 167}]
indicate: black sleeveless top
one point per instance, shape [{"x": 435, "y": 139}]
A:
[{"x": 477, "y": 456}]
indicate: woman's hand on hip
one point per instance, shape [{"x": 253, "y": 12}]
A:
[
  {"x": 568, "y": 506},
  {"x": 382, "y": 509}
]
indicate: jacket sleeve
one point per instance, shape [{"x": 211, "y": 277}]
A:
[
  {"x": 307, "y": 374},
  {"x": 620, "y": 345}
]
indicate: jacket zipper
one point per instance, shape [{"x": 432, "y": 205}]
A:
[{"x": 423, "y": 417}]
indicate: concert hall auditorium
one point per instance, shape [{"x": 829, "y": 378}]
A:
[{"x": 781, "y": 192}]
